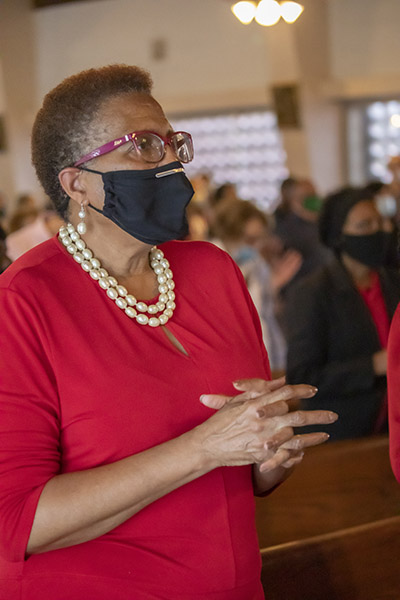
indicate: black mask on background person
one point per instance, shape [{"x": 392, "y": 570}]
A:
[
  {"x": 370, "y": 250},
  {"x": 150, "y": 205}
]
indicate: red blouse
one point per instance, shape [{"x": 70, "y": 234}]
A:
[
  {"x": 375, "y": 301},
  {"x": 82, "y": 385},
  {"x": 393, "y": 378}
]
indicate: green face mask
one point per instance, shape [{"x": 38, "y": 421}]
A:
[{"x": 312, "y": 203}]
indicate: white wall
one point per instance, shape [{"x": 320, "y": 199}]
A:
[
  {"x": 338, "y": 49},
  {"x": 365, "y": 46},
  {"x": 18, "y": 68},
  {"x": 211, "y": 59},
  {"x": 6, "y": 179}
]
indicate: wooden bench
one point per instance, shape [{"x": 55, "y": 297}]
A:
[
  {"x": 338, "y": 485},
  {"x": 359, "y": 563}
]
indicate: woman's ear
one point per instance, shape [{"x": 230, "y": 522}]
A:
[{"x": 73, "y": 184}]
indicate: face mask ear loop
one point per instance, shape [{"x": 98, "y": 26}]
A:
[
  {"x": 97, "y": 173},
  {"x": 90, "y": 170},
  {"x": 96, "y": 209}
]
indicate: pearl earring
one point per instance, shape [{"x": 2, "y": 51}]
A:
[{"x": 81, "y": 227}]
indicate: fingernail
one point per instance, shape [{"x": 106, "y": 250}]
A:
[
  {"x": 333, "y": 417},
  {"x": 203, "y": 398},
  {"x": 326, "y": 436},
  {"x": 237, "y": 383}
]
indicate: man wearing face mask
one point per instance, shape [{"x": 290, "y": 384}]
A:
[
  {"x": 339, "y": 317},
  {"x": 296, "y": 226}
]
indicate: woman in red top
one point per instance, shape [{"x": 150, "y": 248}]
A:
[
  {"x": 127, "y": 459},
  {"x": 339, "y": 318},
  {"x": 394, "y": 394}
]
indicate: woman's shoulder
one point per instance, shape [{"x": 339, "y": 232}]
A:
[
  {"x": 32, "y": 266},
  {"x": 203, "y": 262},
  {"x": 202, "y": 253}
]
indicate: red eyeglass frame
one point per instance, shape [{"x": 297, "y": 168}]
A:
[{"x": 129, "y": 137}]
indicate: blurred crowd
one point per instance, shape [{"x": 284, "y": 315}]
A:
[
  {"x": 322, "y": 273},
  {"x": 27, "y": 225}
]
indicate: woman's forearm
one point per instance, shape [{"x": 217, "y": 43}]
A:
[
  {"x": 77, "y": 507},
  {"x": 81, "y": 506}
]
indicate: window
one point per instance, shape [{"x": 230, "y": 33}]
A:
[
  {"x": 239, "y": 147},
  {"x": 373, "y": 137}
]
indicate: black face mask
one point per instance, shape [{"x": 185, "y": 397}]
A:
[
  {"x": 370, "y": 250},
  {"x": 150, "y": 204}
]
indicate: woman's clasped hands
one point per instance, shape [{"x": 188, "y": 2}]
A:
[{"x": 256, "y": 426}]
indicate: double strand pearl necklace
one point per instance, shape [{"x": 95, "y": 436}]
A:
[{"x": 159, "y": 313}]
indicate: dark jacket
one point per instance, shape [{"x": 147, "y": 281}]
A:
[
  {"x": 301, "y": 235},
  {"x": 332, "y": 338}
]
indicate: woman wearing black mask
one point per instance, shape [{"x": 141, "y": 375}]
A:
[
  {"x": 338, "y": 319},
  {"x": 113, "y": 463}
]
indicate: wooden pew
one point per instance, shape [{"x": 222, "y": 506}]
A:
[
  {"x": 359, "y": 563},
  {"x": 338, "y": 485}
]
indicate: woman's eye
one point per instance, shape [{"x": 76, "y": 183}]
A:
[{"x": 132, "y": 149}]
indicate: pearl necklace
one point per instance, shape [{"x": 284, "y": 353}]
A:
[{"x": 74, "y": 244}]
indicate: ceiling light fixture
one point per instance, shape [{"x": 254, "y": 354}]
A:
[
  {"x": 267, "y": 12},
  {"x": 244, "y": 11},
  {"x": 291, "y": 11}
]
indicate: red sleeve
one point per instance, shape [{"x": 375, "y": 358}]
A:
[
  {"x": 393, "y": 377},
  {"x": 29, "y": 431}
]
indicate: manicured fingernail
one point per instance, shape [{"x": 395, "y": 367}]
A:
[
  {"x": 203, "y": 398},
  {"x": 313, "y": 390}
]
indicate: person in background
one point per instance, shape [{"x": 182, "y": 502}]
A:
[
  {"x": 223, "y": 194},
  {"x": 3, "y": 211},
  {"x": 45, "y": 226},
  {"x": 137, "y": 418},
  {"x": 202, "y": 188},
  {"x": 393, "y": 371},
  {"x": 243, "y": 230},
  {"x": 394, "y": 185},
  {"x": 4, "y": 258},
  {"x": 226, "y": 191},
  {"x": 198, "y": 223},
  {"x": 393, "y": 379},
  {"x": 296, "y": 226},
  {"x": 198, "y": 210},
  {"x": 387, "y": 207},
  {"x": 339, "y": 317},
  {"x": 25, "y": 212}
]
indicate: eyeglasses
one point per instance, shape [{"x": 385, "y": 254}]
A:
[{"x": 150, "y": 146}]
